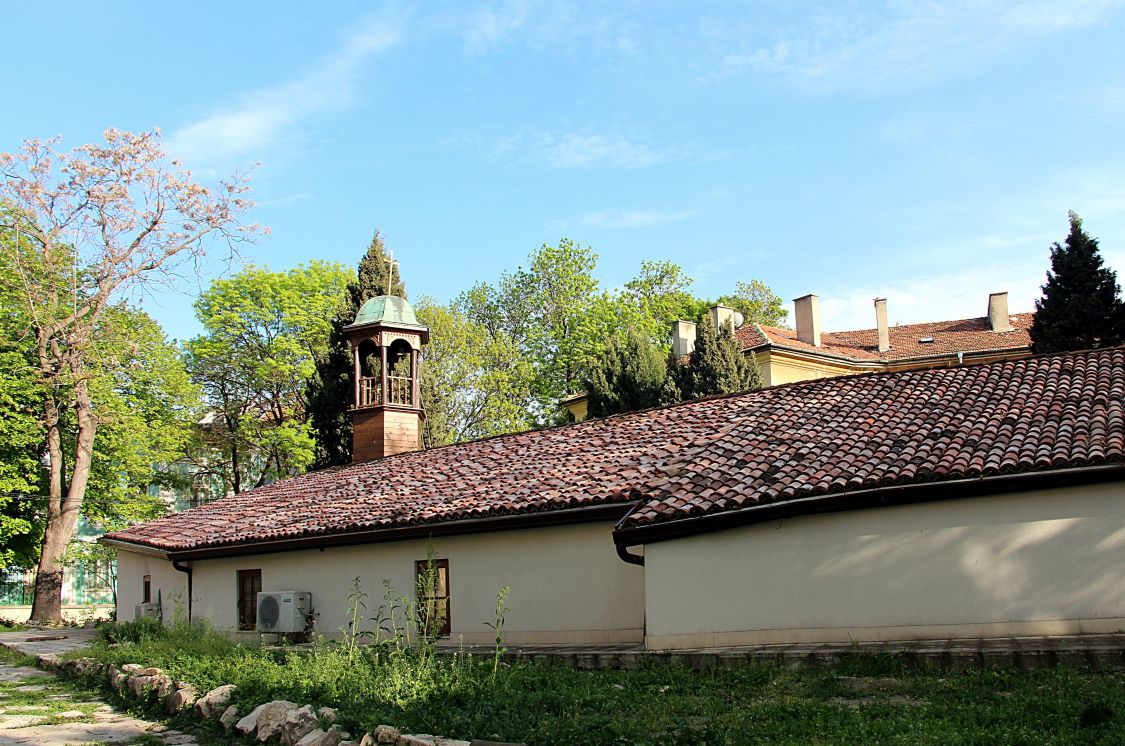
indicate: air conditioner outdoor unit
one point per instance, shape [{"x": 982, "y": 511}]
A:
[
  {"x": 150, "y": 610},
  {"x": 284, "y": 611}
]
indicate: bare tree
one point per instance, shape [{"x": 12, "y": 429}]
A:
[{"x": 93, "y": 226}]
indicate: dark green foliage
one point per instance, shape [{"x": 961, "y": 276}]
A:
[
  {"x": 330, "y": 390},
  {"x": 717, "y": 365},
  {"x": 1080, "y": 308},
  {"x": 631, "y": 375}
]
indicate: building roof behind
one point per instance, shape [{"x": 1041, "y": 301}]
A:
[
  {"x": 838, "y": 435},
  {"x": 948, "y": 338},
  {"x": 826, "y": 437}
]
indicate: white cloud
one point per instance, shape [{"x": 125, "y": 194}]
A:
[
  {"x": 495, "y": 23},
  {"x": 589, "y": 150},
  {"x": 263, "y": 117},
  {"x": 912, "y": 43},
  {"x": 634, "y": 218}
]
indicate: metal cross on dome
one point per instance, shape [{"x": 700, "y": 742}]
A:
[{"x": 391, "y": 264}]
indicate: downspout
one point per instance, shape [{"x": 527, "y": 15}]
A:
[
  {"x": 633, "y": 559},
  {"x": 623, "y": 549},
  {"x": 186, "y": 570}
]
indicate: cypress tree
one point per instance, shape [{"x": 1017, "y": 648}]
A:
[
  {"x": 330, "y": 390},
  {"x": 631, "y": 375},
  {"x": 1081, "y": 308},
  {"x": 717, "y": 365}
]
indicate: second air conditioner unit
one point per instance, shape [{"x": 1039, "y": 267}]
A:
[
  {"x": 284, "y": 612},
  {"x": 150, "y": 610}
]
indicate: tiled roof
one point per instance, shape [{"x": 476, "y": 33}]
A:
[
  {"x": 876, "y": 431},
  {"x": 584, "y": 464},
  {"x": 720, "y": 454},
  {"x": 949, "y": 337}
]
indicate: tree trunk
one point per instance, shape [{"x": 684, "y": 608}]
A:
[
  {"x": 62, "y": 513},
  {"x": 47, "y": 604}
]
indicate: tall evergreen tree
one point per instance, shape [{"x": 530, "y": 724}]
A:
[
  {"x": 717, "y": 365},
  {"x": 1081, "y": 307},
  {"x": 330, "y": 390},
  {"x": 631, "y": 375}
]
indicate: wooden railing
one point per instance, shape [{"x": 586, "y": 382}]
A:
[
  {"x": 401, "y": 391},
  {"x": 369, "y": 393}
]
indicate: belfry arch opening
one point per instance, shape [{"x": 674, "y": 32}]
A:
[
  {"x": 400, "y": 373},
  {"x": 369, "y": 366}
]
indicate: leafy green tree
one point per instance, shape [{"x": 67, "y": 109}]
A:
[
  {"x": 330, "y": 388},
  {"x": 91, "y": 227},
  {"x": 544, "y": 311},
  {"x": 147, "y": 409},
  {"x": 1081, "y": 307},
  {"x": 473, "y": 384},
  {"x": 757, "y": 303},
  {"x": 717, "y": 365},
  {"x": 264, "y": 333},
  {"x": 660, "y": 294},
  {"x": 632, "y": 374},
  {"x": 22, "y": 477}
]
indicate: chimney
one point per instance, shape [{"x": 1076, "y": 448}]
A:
[
  {"x": 683, "y": 338},
  {"x": 881, "y": 324},
  {"x": 807, "y": 312},
  {"x": 998, "y": 312},
  {"x": 721, "y": 315}
]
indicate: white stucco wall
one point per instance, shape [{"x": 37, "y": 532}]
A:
[
  {"x": 567, "y": 583},
  {"x": 1047, "y": 562},
  {"x": 168, "y": 585}
]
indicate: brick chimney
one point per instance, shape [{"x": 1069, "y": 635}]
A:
[
  {"x": 998, "y": 312},
  {"x": 806, "y": 311},
  {"x": 881, "y": 327},
  {"x": 683, "y": 338},
  {"x": 386, "y": 341}
]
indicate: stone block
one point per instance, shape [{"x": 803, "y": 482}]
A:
[
  {"x": 249, "y": 723},
  {"x": 385, "y": 734},
  {"x": 214, "y": 702},
  {"x": 297, "y": 724},
  {"x": 180, "y": 699},
  {"x": 272, "y": 717},
  {"x": 229, "y": 718}
]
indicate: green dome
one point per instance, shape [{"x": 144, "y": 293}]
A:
[{"x": 386, "y": 309}]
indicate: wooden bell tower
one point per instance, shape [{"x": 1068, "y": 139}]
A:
[{"x": 386, "y": 342}]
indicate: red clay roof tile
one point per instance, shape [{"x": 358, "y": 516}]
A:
[
  {"x": 887, "y": 430},
  {"x": 718, "y": 454}
]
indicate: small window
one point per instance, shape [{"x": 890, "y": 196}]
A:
[
  {"x": 432, "y": 582},
  {"x": 146, "y": 595},
  {"x": 249, "y": 586}
]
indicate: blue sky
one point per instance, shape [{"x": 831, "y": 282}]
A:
[{"x": 926, "y": 152}]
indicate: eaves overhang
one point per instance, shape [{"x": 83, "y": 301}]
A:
[
  {"x": 630, "y": 536},
  {"x": 567, "y": 516}
]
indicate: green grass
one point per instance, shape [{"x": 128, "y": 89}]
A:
[
  {"x": 43, "y": 698},
  {"x": 860, "y": 701}
]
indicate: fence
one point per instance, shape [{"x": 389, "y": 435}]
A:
[{"x": 85, "y": 584}]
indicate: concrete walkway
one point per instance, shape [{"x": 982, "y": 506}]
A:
[
  {"x": 44, "y": 641},
  {"x": 36, "y": 708}
]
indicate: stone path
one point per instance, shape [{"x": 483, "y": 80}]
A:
[
  {"x": 36, "y": 708},
  {"x": 43, "y": 641}
]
